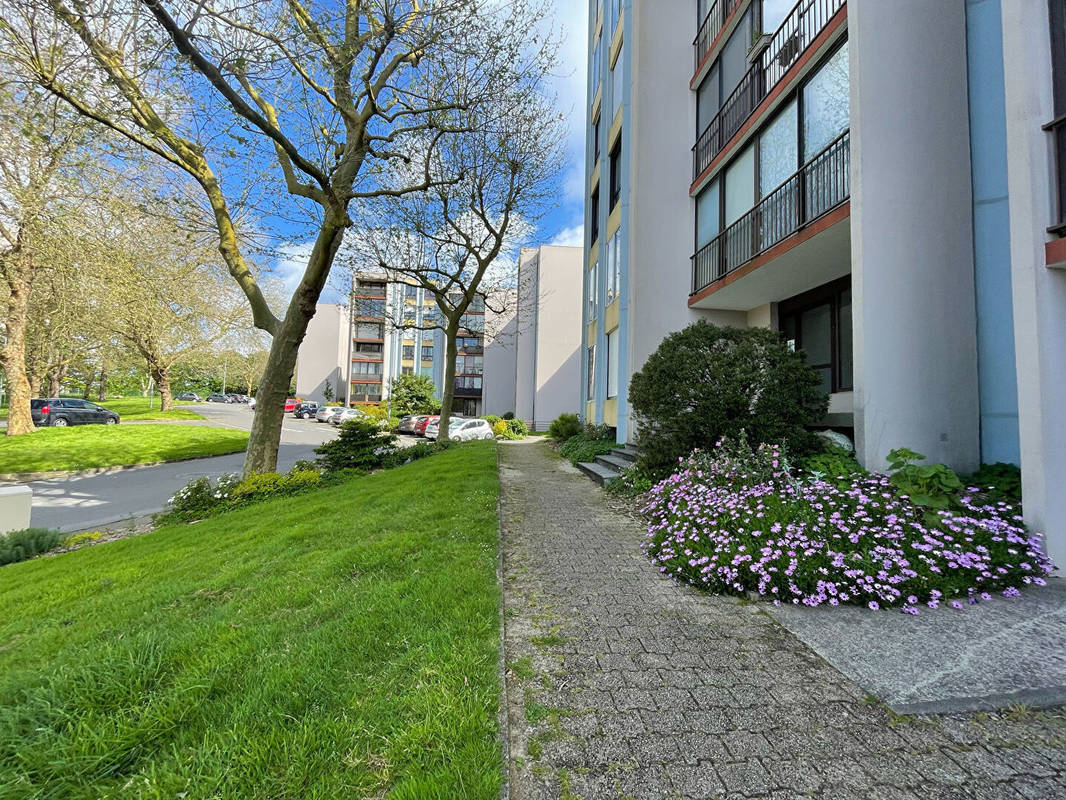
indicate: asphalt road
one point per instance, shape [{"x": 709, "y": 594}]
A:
[{"x": 72, "y": 504}]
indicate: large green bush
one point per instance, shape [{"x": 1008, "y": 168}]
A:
[
  {"x": 708, "y": 382},
  {"x": 594, "y": 440},
  {"x": 24, "y": 544},
  {"x": 361, "y": 445},
  {"x": 564, "y": 426}
]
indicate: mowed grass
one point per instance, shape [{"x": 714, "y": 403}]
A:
[
  {"x": 88, "y": 446},
  {"x": 342, "y": 644},
  {"x": 130, "y": 408}
]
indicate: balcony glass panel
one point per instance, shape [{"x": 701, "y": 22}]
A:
[
  {"x": 708, "y": 213},
  {"x": 708, "y": 100},
  {"x": 778, "y": 150},
  {"x": 740, "y": 186},
  {"x": 826, "y": 104},
  {"x": 617, "y": 87},
  {"x": 733, "y": 62}
]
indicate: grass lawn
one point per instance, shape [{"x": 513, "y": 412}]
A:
[
  {"x": 87, "y": 446},
  {"x": 341, "y": 644},
  {"x": 136, "y": 408}
]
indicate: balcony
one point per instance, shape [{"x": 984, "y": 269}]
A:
[
  {"x": 467, "y": 391},
  {"x": 822, "y": 184},
  {"x": 711, "y": 26},
  {"x": 796, "y": 34}
]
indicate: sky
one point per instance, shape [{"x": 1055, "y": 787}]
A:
[{"x": 561, "y": 225}]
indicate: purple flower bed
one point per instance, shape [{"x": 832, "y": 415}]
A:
[{"x": 733, "y": 523}]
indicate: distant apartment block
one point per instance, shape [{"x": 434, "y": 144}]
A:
[
  {"x": 881, "y": 182},
  {"x": 548, "y": 334}
]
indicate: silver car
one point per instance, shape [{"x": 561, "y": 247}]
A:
[
  {"x": 326, "y": 413},
  {"x": 470, "y": 430},
  {"x": 345, "y": 415}
]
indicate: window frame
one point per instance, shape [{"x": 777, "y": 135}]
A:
[
  {"x": 615, "y": 174},
  {"x": 1057, "y": 127},
  {"x": 829, "y": 293}
]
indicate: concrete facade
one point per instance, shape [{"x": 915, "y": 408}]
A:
[
  {"x": 548, "y": 332},
  {"x": 501, "y": 351},
  {"x": 323, "y": 353},
  {"x": 870, "y": 179}
]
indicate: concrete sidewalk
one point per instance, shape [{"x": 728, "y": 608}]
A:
[{"x": 622, "y": 684}]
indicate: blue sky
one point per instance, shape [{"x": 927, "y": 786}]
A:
[{"x": 562, "y": 224}]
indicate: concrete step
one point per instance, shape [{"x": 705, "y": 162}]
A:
[
  {"x": 629, "y": 453},
  {"x": 615, "y": 462},
  {"x": 600, "y": 473}
]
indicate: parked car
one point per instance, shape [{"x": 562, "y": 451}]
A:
[
  {"x": 455, "y": 422},
  {"x": 305, "y": 410},
  {"x": 217, "y": 398},
  {"x": 324, "y": 413},
  {"x": 60, "y": 412},
  {"x": 189, "y": 397},
  {"x": 290, "y": 404},
  {"x": 345, "y": 415},
  {"x": 470, "y": 430},
  {"x": 251, "y": 403},
  {"x": 408, "y": 423},
  {"x": 422, "y": 424}
]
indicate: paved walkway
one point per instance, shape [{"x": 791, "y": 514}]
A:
[{"x": 621, "y": 684}]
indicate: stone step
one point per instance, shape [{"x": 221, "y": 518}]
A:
[
  {"x": 614, "y": 461},
  {"x": 629, "y": 453},
  {"x": 600, "y": 473}
]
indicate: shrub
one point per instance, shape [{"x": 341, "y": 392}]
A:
[
  {"x": 360, "y": 445},
  {"x": 733, "y": 522},
  {"x": 78, "y": 539},
  {"x": 492, "y": 419},
  {"x": 500, "y": 429},
  {"x": 593, "y": 441},
  {"x": 517, "y": 428},
  {"x": 25, "y": 544},
  {"x": 931, "y": 485},
  {"x": 564, "y": 426},
  {"x": 255, "y": 488},
  {"x": 631, "y": 482},
  {"x": 708, "y": 382},
  {"x": 835, "y": 465},
  {"x": 509, "y": 415},
  {"x": 200, "y": 500},
  {"x": 998, "y": 482}
]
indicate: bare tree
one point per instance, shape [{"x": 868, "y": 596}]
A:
[
  {"x": 335, "y": 95},
  {"x": 459, "y": 240}
]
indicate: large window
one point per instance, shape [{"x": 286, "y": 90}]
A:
[
  {"x": 408, "y": 352},
  {"x": 819, "y": 323},
  {"x": 596, "y": 139},
  {"x": 369, "y": 330},
  {"x": 708, "y": 215},
  {"x": 612, "y": 363},
  {"x": 590, "y": 389},
  {"x": 366, "y": 367},
  {"x": 469, "y": 365},
  {"x": 725, "y": 74},
  {"x": 708, "y": 100},
  {"x": 614, "y": 265},
  {"x": 616, "y": 172},
  {"x": 778, "y": 150},
  {"x": 594, "y": 215},
  {"x": 593, "y": 292},
  {"x": 617, "y": 86},
  {"x": 595, "y": 66},
  {"x": 427, "y": 352},
  {"x": 368, "y": 347},
  {"x": 740, "y": 186},
  {"x": 826, "y": 104}
]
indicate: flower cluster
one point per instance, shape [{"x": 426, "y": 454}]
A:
[{"x": 734, "y": 522}]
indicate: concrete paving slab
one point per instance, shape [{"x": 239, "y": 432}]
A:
[{"x": 995, "y": 654}]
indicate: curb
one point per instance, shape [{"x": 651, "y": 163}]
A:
[{"x": 25, "y": 477}]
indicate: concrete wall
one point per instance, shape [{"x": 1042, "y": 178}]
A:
[
  {"x": 1039, "y": 293},
  {"x": 912, "y": 232},
  {"x": 526, "y": 332},
  {"x": 501, "y": 346},
  {"x": 323, "y": 353}
]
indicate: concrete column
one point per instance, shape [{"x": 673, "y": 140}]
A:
[
  {"x": 1039, "y": 291},
  {"x": 912, "y": 232}
]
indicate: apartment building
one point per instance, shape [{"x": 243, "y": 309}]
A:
[
  {"x": 874, "y": 180},
  {"x": 548, "y": 336},
  {"x": 387, "y": 331}
]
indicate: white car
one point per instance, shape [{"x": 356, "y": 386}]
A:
[
  {"x": 461, "y": 430},
  {"x": 325, "y": 413}
]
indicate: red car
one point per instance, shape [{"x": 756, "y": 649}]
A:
[
  {"x": 290, "y": 404},
  {"x": 420, "y": 427}
]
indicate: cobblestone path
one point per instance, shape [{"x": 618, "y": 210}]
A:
[{"x": 621, "y": 684}]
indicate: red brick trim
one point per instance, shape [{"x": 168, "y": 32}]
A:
[
  {"x": 785, "y": 84},
  {"x": 1055, "y": 253},
  {"x": 799, "y": 237}
]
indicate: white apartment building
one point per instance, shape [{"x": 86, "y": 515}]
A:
[
  {"x": 876, "y": 180},
  {"x": 548, "y": 334}
]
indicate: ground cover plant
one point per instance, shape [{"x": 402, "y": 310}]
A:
[
  {"x": 21, "y": 545},
  {"x": 564, "y": 427},
  {"x": 201, "y": 499},
  {"x": 707, "y": 382},
  {"x": 89, "y": 446},
  {"x": 594, "y": 440},
  {"x": 736, "y": 521},
  {"x": 339, "y": 644}
]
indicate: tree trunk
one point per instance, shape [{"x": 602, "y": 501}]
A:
[
  {"x": 88, "y": 390},
  {"x": 161, "y": 376},
  {"x": 13, "y": 355},
  {"x": 448, "y": 394},
  {"x": 101, "y": 393},
  {"x": 265, "y": 438},
  {"x": 55, "y": 380}
]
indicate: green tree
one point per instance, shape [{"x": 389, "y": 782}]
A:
[{"x": 413, "y": 394}]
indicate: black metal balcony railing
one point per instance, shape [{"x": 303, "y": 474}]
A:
[
  {"x": 711, "y": 26},
  {"x": 818, "y": 187},
  {"x": 799, "y": 30}
]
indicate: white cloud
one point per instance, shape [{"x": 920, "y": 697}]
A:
[{"x": 573, "y": 236}]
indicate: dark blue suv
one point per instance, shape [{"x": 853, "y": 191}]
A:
[{"x": 59, "y": 412}]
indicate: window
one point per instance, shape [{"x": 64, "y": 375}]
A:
[
  {"x": 740, "y": 186},
  {"x": 427, "y": 352},
  {"x": 733, "y": 62},
  {"x": 368, "y": 347},
  {"x": 708, "y": 100},
  {"x": 469, "y": 365},
  {"x": 410, "y": 291},
  {"x": 596, "y": 139},
  {"x": 616, "y": 12},
  {"x": 366, "y": 307},
  {"x": 407, "y": 370},
  {"x": 370, "y": 330},
  {"x": 617, "y": 87},
  {"x": 593, "y": 289},
  {"x": 616, "y": 172},
  {"x": 366, "y": 367},
  {"x": 594, "y": 214},
  {"x": 819, "y": 323},
  {"x": 826, "y": 109},
  {"x": 708, "y": 215},
  {"x": 595, "y": 66},
  {"x": 408, "y": 352},
  {"x": 778, "y": 150},
  {"x": 612, "y": 363},
  {"x": 1057, "y": 128},
  {"x": 591, "y": 388},
  {"x": 614, "y": 265}
]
